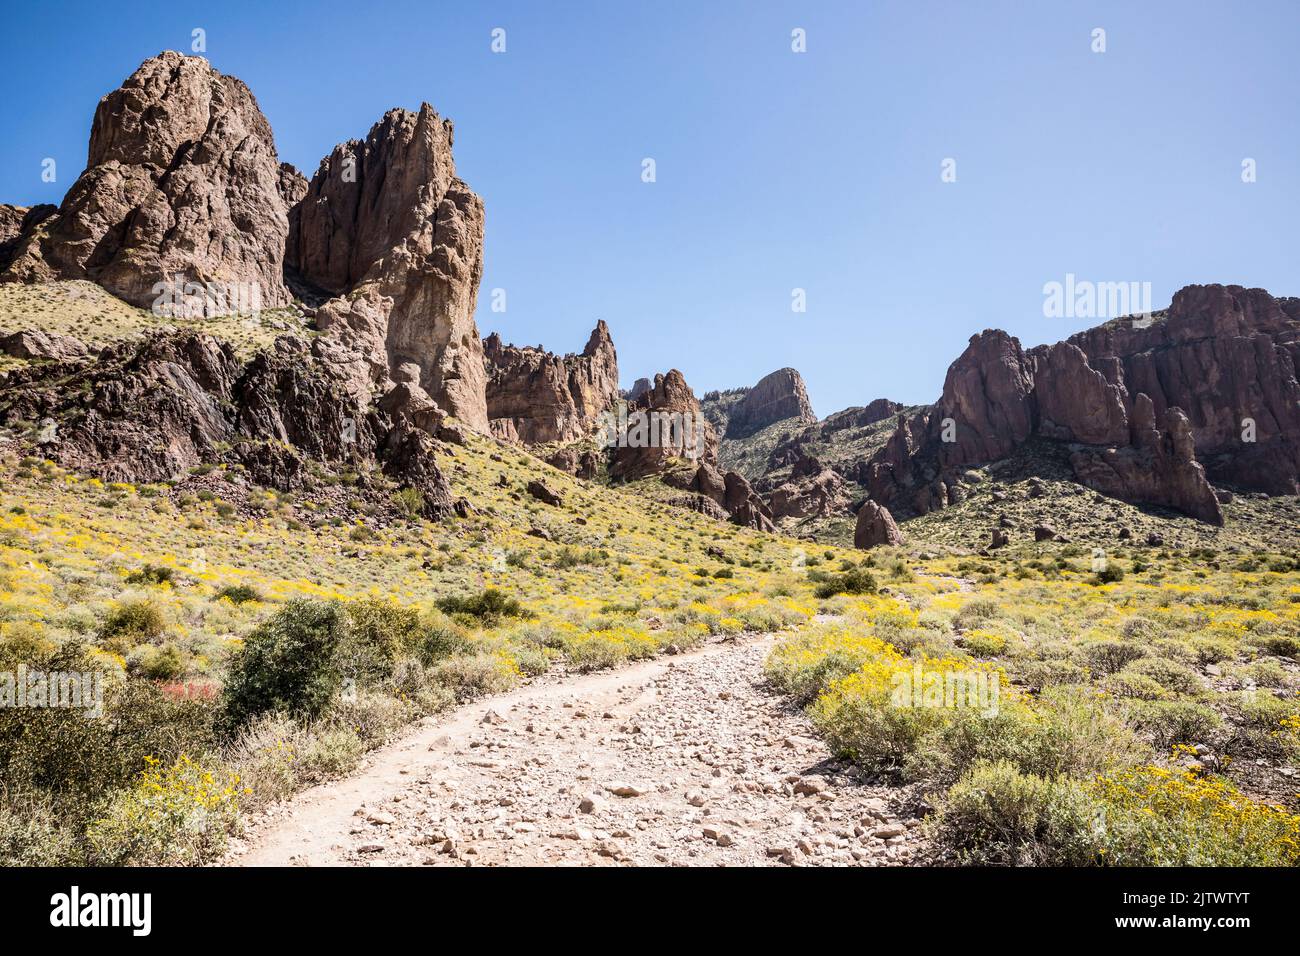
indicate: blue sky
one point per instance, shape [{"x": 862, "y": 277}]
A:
[{"x": 775, "y": 170}]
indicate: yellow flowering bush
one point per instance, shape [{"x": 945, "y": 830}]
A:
[{"x": 177, "y": 814}]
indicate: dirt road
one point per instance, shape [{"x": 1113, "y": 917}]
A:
[{"x": 685, "y": 760}]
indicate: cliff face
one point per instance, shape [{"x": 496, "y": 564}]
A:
[
  {"x": 1227, "y": 357},
  {"x": 534, "y": 396},
  {"x": 181, "y": 180},
  {"x": 778, "y": 396},
  {"x": 387, "y": 226},
  {"x": 1209, "y": 389}
]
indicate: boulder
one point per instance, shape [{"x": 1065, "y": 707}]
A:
[{"x": 875, "y": 527}]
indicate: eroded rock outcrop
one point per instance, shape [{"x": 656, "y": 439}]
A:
[
  {"x": 662, "y": 429},
  {"x": 535, "y": 397},
  {"x": 181, "y": 181},
  {"x": 778, "y": 396},
  {"x": 667, "y": 435},
  {"x": 387, "y": 226},
  {"x": 1227, "y": 356},
  {"x": 875, "y": 527},
  {"x": 151, "y": 410},
  {"x": 1156, "y": 467},
  {"x": 1146, "y": 410}
]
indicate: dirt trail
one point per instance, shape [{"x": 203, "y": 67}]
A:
[{"x": 681, "y": 760}]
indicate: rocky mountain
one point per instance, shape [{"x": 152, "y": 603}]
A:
[
  {"x": 181, "y": 178},
  {"x": 685, "y": 460},
  {"x": 1147, "y": 414},
  {"x": 536, "y": 397},
  {"x": 388, "y": 228},
  {"x": 778, "y": 396},
  {"x": 183, "y": 184}
]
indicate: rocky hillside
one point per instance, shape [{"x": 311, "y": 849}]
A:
[{"x": 1148, "y": 413}]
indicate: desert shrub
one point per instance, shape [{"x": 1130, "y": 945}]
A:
[
  {"x": 1140, "y": 629},
  {"x": 978, "y": 610},
  {"x": 475, "y": 675},
  {"x": 1212, "y": 650},
  {"x": 438, "y": 637},
  {"x": 1169, "y": 722},
  {"x": 266, "y": 756},
  {"x": 176, "y": 814},
  {"x": 133, "y": 621},
  {"x": 1265, "y": 672},
  {"x": 1107, "y": 657},
  {"x": 239, "y": 594},
  {"x": 489, "y": 606},
  {"x": 58, "y": 751},
  {"x": 984, "y": 643},
  {"x": 1066, "y": 732},
  {"x": 531, "y": 660},
  {"x": 608, "y": 647},
  {"x": 805, "y": 665},
  {"x": 1110, "y": 574},
  {"x": 156, "y": 663},
  {"x": 24, "y": 641},
  {"x": 1146, "y": 816},
  {"x": 31, "y": 834},
  {"x": 1170, "y": 675},
  {"x": 855, "y": 581},
  {"x": 151, "y": 574},
  {"x": 375, "y": 717},
  {"x": 288, "y": 663},
  {"x": 1269, "y": 726},
  {"x": 1133, "y": 685},
  {"x": 997, "y": 815},
  {"x": 379, "y": 631},
  {"x": 409, "y": 502},
  {"x": 1279, "y": 645},
  {"x": 1160, "y": 817}
]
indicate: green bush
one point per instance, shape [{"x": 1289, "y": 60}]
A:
[
  {"x": 151, "y": 574},
  {"x": 289, "y": 663},
  {"x": 856, "y": 581},
  {"x": 490, "y": 606},
  {"x": 133, "y": 620},
  {"x": 1169, "y": 722},
  {"x": 239, "y": 593},
  {"x": 1169, "y": 674},
  {"x": 997, "y": 815},
  {"x": 1107, "y": 657}
]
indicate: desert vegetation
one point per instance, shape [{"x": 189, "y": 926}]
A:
[{"x": 1143, "y": 718}]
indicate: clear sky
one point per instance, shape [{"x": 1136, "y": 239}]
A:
[{"x": 775, "y": 170}]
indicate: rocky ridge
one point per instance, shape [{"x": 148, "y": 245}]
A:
[{"x": 536, "y": 397}]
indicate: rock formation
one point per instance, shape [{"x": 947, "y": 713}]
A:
[
  {"x": 181, "y": 182},
  {"x": 777, "y": 397},
  {"x": 1146, "y": 412},
  {"x": 535, "y": 397},
  {"x": 875, "y": 527},
  {"x": 1227, "y": 356},
  {"x": 388, "y": 228},
  {"x": 150, "y": 410},
  {"x": 1156, "y": 466},
  {"x": 664, "y": 433},
  {"x": 661, "y": 429}
]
